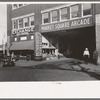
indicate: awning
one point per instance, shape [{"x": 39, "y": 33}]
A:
[{"x": 23, "y": 45}]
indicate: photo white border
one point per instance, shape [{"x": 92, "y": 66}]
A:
[{"x": 51, "y": 89}]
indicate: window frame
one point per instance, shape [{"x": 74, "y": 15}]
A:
[
  {"x": 61, "y": 14},
  {"x": 18, "y": 6},
  {"x": 71, "y": 11},
  {"x": 52, "y": 17},
  {"x": 24, "y": 22},
  {"x": 48, "y": 18},
  {"x": 83, "y": 10},
  {"x": 13, "y": 26},
  {"x": 30, "y": 20}
]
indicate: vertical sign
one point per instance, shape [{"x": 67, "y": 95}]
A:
[{"x": 38, "y": 44}]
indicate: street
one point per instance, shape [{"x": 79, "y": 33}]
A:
[{"x": 60, "y": 70}]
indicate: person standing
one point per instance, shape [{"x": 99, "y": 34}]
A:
[{"x": 86, "y": 55}]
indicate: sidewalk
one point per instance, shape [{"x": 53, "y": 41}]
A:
[{"x": 92, "y": 67}]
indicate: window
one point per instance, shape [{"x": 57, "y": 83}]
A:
[
  {"x": 32, "y": 37},
  {"x": 26, "y": 22},
  {"x": 14, "y": 24},
  {"x": 14, "y": 6},
  {"x": 20, "y": 23},
  {"x": 74, "y": 11},
  {"x": 86, "y": 9},
  {"x": 20, "y": 5},
  {"x": 31, "y": 20},
  {"x": 45, "y": 18},
  {"x": 54, "y": 16},
  {"x": 23, "y": 38},
  {"x": 45, "y": 44},
  {"x": 64, "y": 15},
  {"x": 15, "y": 39}
]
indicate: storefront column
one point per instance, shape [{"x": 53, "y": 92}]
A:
[
  {"x": 57, "y": 47},
  {"x": 97, "y": 29},
  {"x": 37, "y": 46}
]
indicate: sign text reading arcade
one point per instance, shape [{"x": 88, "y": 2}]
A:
[{"x": 83, "y": 22}]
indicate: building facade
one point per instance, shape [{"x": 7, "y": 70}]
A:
[{"x": 36, "y": 29}]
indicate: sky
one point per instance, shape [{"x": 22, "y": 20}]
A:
[{"x": 3, "y": 22}]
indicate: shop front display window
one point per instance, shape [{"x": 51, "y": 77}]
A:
[
  {"x": 15, "y": 39},
  {"x": 23, "y": 38},
  {"x": 32, "y": 37}
]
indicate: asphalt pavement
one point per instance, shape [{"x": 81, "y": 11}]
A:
[{"x": 63, "y": 69}]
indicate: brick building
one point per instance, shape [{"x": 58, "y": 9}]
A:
[{"x": 35, "y": 29}]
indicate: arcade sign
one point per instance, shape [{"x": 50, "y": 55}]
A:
[
  {"x": 23, "y": 31},
  {"x": 77, "y": 23}
]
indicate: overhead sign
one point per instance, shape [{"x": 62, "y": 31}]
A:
[
  {"x": 23, "y": 31},
  {"x": 77, "y": 23}
]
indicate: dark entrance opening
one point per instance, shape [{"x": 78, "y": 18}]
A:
[{"x": 73, "y": 42}]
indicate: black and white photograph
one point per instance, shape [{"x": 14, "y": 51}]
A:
[
  {"x": 49, "y": 42},
  {"x": 49, "y": 50}
]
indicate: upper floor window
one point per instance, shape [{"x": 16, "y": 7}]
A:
[
  {"x": 14, "y": 24},
  {"x": 20, "y": 23},
  {"x": 45, "y": 18},
  {"x": 64, "y": 13},
  {"x": 74, "y": 11},
  {"x": 26, "y": 22},
  {"x": 54, "y": 15},
  {"x": 86, "y": 9},
  {"x": 20, "y": 5},
  {"x": 14, "y": 6},
  {"x": 23, "y": 38},
  {"x": 31, "y": 20}
]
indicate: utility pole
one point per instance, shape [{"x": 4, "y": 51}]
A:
[{"x": 3, "y": 44}]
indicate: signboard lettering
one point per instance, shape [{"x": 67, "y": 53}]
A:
[
  {"x": 23, "y": 31},
  {"x": 67, "y": 24},
  {"x": 38, "y": 44}
]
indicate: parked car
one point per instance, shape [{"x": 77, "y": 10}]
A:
[{"x": 5, "y": 61}]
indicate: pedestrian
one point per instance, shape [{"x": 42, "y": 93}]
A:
[
  {"x": 86, "y": 55},
  {"x": 12, "y": 56}
]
